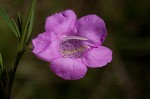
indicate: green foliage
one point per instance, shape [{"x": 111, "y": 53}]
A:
[
  {"x": 10, "y": 23},
  {"x": 19, "y": 23},
  {"x": 16, "y": 27},
  {"x": 1, "y": 62},
  {"x": 31, "y": 19},
  {"x": 1, "y": 66},
  {"x": 27, "y": 29},
  {"x": 3, "y": 77},
  {"x": 23, "y": 33}
]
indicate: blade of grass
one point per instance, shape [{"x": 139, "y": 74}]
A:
[{"x": 8, "y": 21}]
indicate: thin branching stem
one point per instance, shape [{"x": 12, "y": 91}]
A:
[{"x": 11, "y": 75}]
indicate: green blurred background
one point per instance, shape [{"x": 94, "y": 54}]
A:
[{"x": 126, "y": 77}]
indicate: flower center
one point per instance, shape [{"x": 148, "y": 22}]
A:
[{"x": 73, "y": 47}]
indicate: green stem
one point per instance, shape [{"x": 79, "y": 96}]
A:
[{"x": 11, "y": 75}]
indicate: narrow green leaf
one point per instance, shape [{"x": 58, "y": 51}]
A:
[
  {"x": 1, "y": 67},
  {"x": 26, "y": 33},
  {"x": 20, "y": 23},
  {"x": 1, "y": 62},
  {"x": 30, "y": 25},
  {"x": 8, "y": 21},
  {"x": 16, "y": 28}
]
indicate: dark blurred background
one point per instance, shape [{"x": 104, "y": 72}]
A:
[{"x": 126, "y": 77}]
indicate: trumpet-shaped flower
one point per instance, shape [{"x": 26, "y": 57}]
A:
[{"x": 71, "y": 45}]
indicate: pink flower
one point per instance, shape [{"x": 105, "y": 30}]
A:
[{"x": 71, "y": 45}]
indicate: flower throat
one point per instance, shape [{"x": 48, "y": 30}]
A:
[{"x": 73, "y": 47}]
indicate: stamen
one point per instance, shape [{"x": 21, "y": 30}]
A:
[
  {"x": 80, "y": 49},
  {"x": 74, "y": 37}
]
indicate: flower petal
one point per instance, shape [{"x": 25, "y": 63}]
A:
[
  {"x": 61, "y": 23},
  {"x": 93, "y": 28},
  {"x": 98, "y": 57},
  {"x": 69, "y": 69},
  {"x": 46, "y": 46}
]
